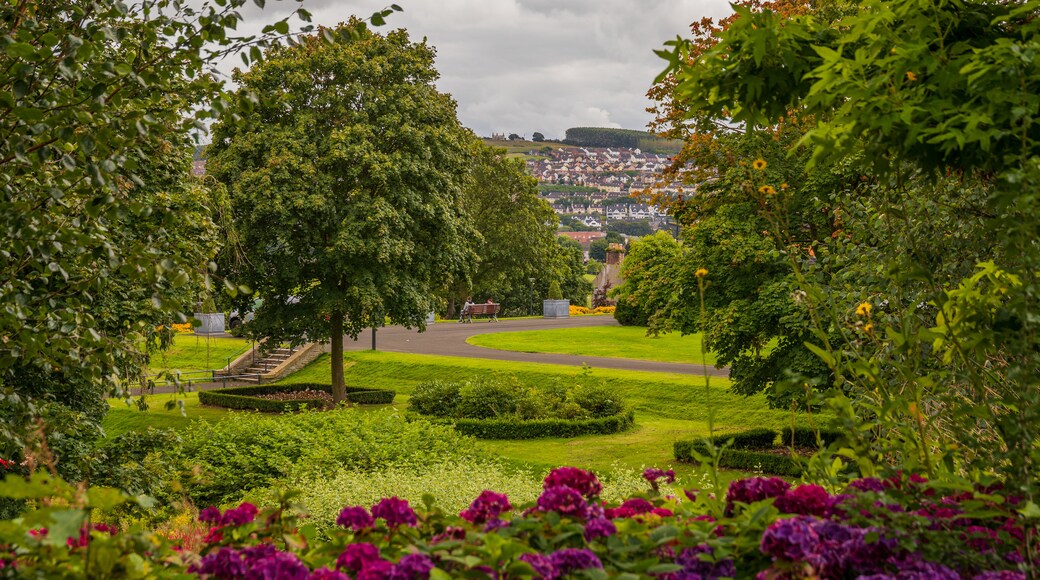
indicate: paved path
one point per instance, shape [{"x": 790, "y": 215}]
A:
[{"x": 449, "y": 339}]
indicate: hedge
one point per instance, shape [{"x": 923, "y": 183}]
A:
[
  {"x": 742, "y": 459},
  {"x": 753, "y": 439},
  {"x": 537, "y": 428},
  {"x": 244, "y": 397},
  {"x": 806, "y": 437}
]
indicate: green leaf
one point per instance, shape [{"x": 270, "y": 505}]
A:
[{"x": 20, "y": 50}]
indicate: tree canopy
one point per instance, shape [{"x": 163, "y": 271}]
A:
[{"x": 346, "y": 186}]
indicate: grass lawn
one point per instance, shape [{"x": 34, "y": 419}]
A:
[
  {"x": 191, "y": 352},
  {"x": 668, "y": 406},
  {"x": 607, "y": 341},
  {"x": 121, "y": 418}
]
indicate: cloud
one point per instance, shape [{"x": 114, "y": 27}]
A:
[{"x": 519, "y": 66}]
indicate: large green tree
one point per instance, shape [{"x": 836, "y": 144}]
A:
[
  {"x": 346, "y": 186},
  {"x": 515, "y": 229}
]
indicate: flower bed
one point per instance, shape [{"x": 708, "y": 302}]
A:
[
  {"x": 257, "y": 398},
  {"x": 762, "y": 450},
  {"x": 515, "y": 428},
  {"x": 901, "y": 527}
]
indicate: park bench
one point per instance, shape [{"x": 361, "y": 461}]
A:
[{"x": 489, "y": 310}]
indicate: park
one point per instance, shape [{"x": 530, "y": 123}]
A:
[{"x": 828, "y": 367}]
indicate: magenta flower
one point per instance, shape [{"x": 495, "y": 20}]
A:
[
  {"x": 793, "y": 540},
  {"x": 280, "y": 566},
  {"x": 570, "y": 560},
  {"x": 652, "y": 474},
  {"x": 694, "y": 566},
  {"x": 488, "y": 506},
  {"x": 326, "y": 574},
  {"x": 599, "y": 528},
  {"x": 395, "y": 511},
  {"x": 579, "y": 479},
  {"x": 224, "y": 563},
  {"x": 210, "y": 515},
  {"x": 807, "y": 500},
  {"x": 754, "y": 489},
  {"x": 620, "y": 512},
  {"x": 563, "y": 500},
  {"x": 241, "y": 515},
  {"x": 413, "y": 567},
  {"x": 867, "y": 484},
  {"x": 543, "y": 565},
  {"x": 357, "y": 556},
  {"x": 377, "y": 570},
  {"x": 355, "y": 518},
  {"x": 638, "y": 505}
]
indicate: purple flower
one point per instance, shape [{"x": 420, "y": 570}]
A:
[
  {"x": 566, "y": 501},
  {"x": 241, "y": 515},
  {"x": 413, "y": 567},
  {"x": 579, "y": 479},
  {"x": 488, "y": 506},
  {"x": 326, "y": 574},
  {"x": 913, "y": 568},
  {"x": 652, "y": 474},
  {"x": 569, "y": 560},
  {"x": 395, "y": 511},
  {"x": 867, "y": 484},
  {"x": 357, "y": 556},
  {"x": 599, "y": 528},
  {"x": 543, "y": 565},
  {"x": 793, "y": 540},
  {"x": 279, "y": 566},
  {"x": 807, "y": 500},
  {"x": 224, "y": 563},
  {"x": 1001, "y": 575},
  {"x": 210, "y": 515},
  {"x": 754, "y": 489},
  {"x": 694, "y": 566},
  {"x": 638, "y": 505},
  {"x": 355, "y": 518},
  {"x": 495, "y": 524},
  {"x": 376, "y": 570}
]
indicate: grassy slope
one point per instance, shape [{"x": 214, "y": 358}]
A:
[
  {"x": 122, "y": 418},
  {"x": 192, "y": 353},
  {"x": 608, "y": 341}
]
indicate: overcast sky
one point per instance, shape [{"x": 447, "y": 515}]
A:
[{"x": 520, "y": 66}]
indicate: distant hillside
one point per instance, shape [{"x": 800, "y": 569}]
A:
[{"x": 606, "y": 137}]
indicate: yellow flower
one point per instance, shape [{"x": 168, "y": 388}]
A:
[
  {"x": 767, "y": 189},
  {"x": 910, "y": 76},
  {"x": 759, "y": 164},
  {"x": 868, "y": 328},
  {"x": 783, "y": 186},
  {"x": 701, "y": 272},
  {"x": 864, "y": 309}
]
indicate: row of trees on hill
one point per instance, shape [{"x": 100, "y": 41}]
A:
[{"x": 628, "y": 138}]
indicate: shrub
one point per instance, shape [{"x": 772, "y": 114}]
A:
[
  {"x": 484, "y": 398},
  {"x": 515, "y": 428},
  {"x": 806, "y": 437},
  {"x": 554, "y": 291},
  {"x": 245, "y": 450},
  {"x": 245, "y": 397},
  {"x": 599, "y": 400},
  {"x": 753, "y": 439},
  {"x": 741, "y": 459},
  {"x": 437, "y": 398},
  {"x": 628, "y": 315}
]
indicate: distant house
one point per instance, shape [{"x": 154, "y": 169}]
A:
[{"x": 584, "y": 238}]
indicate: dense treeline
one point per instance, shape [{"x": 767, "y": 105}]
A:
[{"x": 607, "y": 137}]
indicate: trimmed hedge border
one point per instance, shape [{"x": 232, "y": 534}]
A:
[
  {"x": 538, "y": 428},
  {"x": 243, "y": 397},
  {"x": 746, "y": 451}
]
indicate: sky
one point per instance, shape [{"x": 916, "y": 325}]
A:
[{"x": 521, "y": 66}]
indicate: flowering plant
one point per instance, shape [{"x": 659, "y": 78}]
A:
[{"x": 904, "y": 527}]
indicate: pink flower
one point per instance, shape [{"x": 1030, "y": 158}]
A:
[
  {"x": 584, "y": 482},
  {"x": 395, "y": 511}
]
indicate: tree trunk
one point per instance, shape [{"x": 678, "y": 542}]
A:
[{"x": 339, "y": 388}]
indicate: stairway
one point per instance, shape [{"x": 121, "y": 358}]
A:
[{"x": 265, "y": 365}]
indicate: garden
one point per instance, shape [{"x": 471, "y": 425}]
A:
[{"x": 860, "y": 253}]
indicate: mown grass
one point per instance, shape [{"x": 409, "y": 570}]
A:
[
  {"x": 606, "y": 341},
  {"x": 191, "y": 352},
  {"x": 668, "y": 406},
  {"x": 122, "y": 418}
]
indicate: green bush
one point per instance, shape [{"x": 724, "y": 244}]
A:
[
  {"x": 484, "y": 398},
  {"x": 246, "y": 450},
  {"x": 806, "y": 437},
  {"x": 628, "y": 315},
  {"x": 245, "y": 397},
  {"x": 515, "y": 428},
  {"x": 599, "y": 400},
  {"x": 437, "y": 398},
  {"x": 741, "y": 459},
  {"x": 753, "y": 439}
]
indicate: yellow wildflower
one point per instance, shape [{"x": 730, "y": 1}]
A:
[
  {"x": 864, "y": 309},
  {"x": 767, "y": 189},
  {"x": 910, "y": 76},
  {"x": 759, "y": 164},
  {"x": 868, "y": 328},
  {"x": 701, "y": 272},
  {"x": 783, "y": 187}
]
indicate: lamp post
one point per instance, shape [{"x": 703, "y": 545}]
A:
[{"x": 530, "y": 303}]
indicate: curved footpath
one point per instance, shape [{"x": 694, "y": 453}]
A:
[{"x": 449, "y": 339}]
